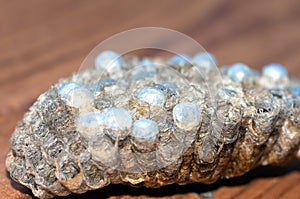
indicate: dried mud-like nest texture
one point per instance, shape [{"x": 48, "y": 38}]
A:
[{"x": 154, "y": 122}]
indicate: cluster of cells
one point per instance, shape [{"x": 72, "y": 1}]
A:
[{"x": 154, "y": 122}]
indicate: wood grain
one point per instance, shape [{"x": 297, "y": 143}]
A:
[{"x": 42, "y": 41}]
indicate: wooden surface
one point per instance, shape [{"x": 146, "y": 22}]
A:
[{"x": 42, "y": 41}]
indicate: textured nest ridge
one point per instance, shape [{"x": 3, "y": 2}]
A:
[{"x": 183, "y": 127}]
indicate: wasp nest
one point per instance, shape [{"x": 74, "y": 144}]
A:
[{"x": 155, "y": 122}]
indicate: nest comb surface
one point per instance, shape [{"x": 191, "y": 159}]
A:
[{"x": 153, "y": 123}]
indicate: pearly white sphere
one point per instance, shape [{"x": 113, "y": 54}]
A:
[
  {"x": 90, "y": 123},
  {"x": 145, "y": 130},
  {"x": 180, "y": 59},
  {"x": 205, "y": 60},
  {"x": 75, "y": 95},
  {"x": 65, "y": 89},
  {"x": 275, "y": 71},
  {"x": 108, "y": 61},
  {"x": 186, "y": 115},
  {"x": 118, "y": 118},
  {"x": 239, "y": 71},
  {"x": 154, "y": 97},
  {"x": 146, "y": 63}
]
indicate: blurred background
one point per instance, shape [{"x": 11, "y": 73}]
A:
[{"x": 42, "y": 41}]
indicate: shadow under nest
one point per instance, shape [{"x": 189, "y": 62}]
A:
[{"x": 169, "y": 190}]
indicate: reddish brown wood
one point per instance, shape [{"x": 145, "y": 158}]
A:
[
  {"x": 178, "y": 196},
  {"x": 41, "y": 41}
]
